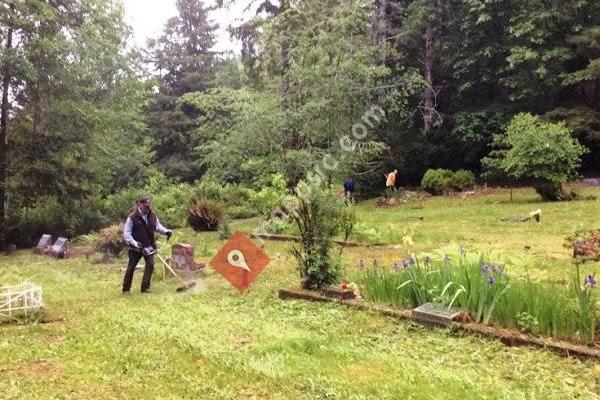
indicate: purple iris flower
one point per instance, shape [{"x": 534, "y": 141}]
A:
[
  {"x": 405, "y": 263},
  {"x": 490, "y": 280},
  {"x": 590, "y": 281},
  {"x": 486, "y": 268}
]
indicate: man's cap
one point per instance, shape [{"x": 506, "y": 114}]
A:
[{"x": 145, "y": 200}]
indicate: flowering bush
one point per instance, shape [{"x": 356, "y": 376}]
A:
[{"x": 585, "y": 245}]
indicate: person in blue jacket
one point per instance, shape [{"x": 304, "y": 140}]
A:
[{"x": 349, "y": 189}]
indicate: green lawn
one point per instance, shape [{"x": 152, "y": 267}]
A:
[
  {"x": 218, "y": 344},
  {"x": 474, "y": 222}
]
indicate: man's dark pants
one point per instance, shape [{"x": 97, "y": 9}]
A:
[{"x": 134, "y": 258}]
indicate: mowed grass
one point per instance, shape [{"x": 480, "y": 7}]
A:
[
  {"x": 475, "y": 223},
  {"x": 217, "y": 344}
]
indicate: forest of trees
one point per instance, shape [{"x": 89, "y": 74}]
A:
[{"x": 86, "y": 116}]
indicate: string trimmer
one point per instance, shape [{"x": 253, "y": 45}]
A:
[{"x": 186, "y": 285}]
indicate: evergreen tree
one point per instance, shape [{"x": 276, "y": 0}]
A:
[{"x": 186, "y": 64}]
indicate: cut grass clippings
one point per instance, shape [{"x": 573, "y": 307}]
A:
[
  {"x": 217, "y": 344},
  {"x": 507, "y": 336}
]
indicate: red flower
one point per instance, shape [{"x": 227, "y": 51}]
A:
[{"x": 344, "y": 286}]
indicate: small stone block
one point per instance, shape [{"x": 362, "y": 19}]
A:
[{"x": 435, "y": 313}]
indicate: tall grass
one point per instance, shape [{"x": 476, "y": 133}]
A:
[{"x": 488, "y": 292}]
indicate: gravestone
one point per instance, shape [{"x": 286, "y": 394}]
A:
[
  {"x": 435, "y": 313},
  {"x": 60, "y": 247},
  {"x": 43, "y": 244},
  {"x": 11, "y": 248},
  {"x": 182, "y": 255}
]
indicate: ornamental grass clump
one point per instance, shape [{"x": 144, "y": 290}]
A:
[
  {"x": 205, "y": 215},
  {"x": 319, "y": 216},
  {"x": 488, "y": 292},
  {"x": 110, "y": 240}
]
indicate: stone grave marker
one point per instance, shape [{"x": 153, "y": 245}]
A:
[
  {"x": 44, "y": 243},
  {"x": 435, "y": 313},
  {"x": 59, "y": 249},
  {"x": 182, "y": 255}
]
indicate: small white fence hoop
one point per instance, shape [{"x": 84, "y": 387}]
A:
[{"x": 23, "y": 298}]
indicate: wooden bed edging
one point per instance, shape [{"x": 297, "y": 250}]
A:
[
  {"x": 509, "y": 337},
  {"x": 290, "y": 238}
]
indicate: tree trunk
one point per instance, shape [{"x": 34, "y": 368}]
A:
[
  {"x": 291, "y": 141},
  {"x": 381, "y": 32},
  {"x": 3, "y": 139},
  {"x": 429, "y": 95}
]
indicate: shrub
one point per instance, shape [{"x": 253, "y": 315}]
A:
[
  {"x": 241, "y": 212},
  {"x": 234, "y": 197},
  {"x": 370, "y": 233},
  {"x": 436, "y": 181},
  {"x": 110, "y": 239},
  {"x": 462, "y": 179},
  {"x": 319, "y": 215},
  {"x": 170, "y": 204},
  {"x": 205, "y": 215},
  {"x": 542, "y": 152},
  {"x": 276, "y": 225},
  {"x": 270, "y": 196},
  {"x": 585, "y": 245},
  {"x": 224, "y": 230}
]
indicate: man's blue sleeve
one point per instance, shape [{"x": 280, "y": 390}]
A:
[
  {"x": 127, "y": 235},
  {"x": 159, "y": 228}
]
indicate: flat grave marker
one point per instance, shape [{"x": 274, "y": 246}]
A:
[{"x": 435, "y": 313}]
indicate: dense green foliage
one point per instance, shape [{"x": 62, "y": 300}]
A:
[
  {"x": 462, "y": 179},
  {"x": 436, "y": 181},
  {"x": 542, "y": 152},
  {"x": 337, "y": 87}
]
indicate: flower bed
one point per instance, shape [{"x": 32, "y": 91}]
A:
[{"x": 488, "y": 293}]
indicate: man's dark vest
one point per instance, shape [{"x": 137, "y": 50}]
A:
[{"x": 140, "y": 231}]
